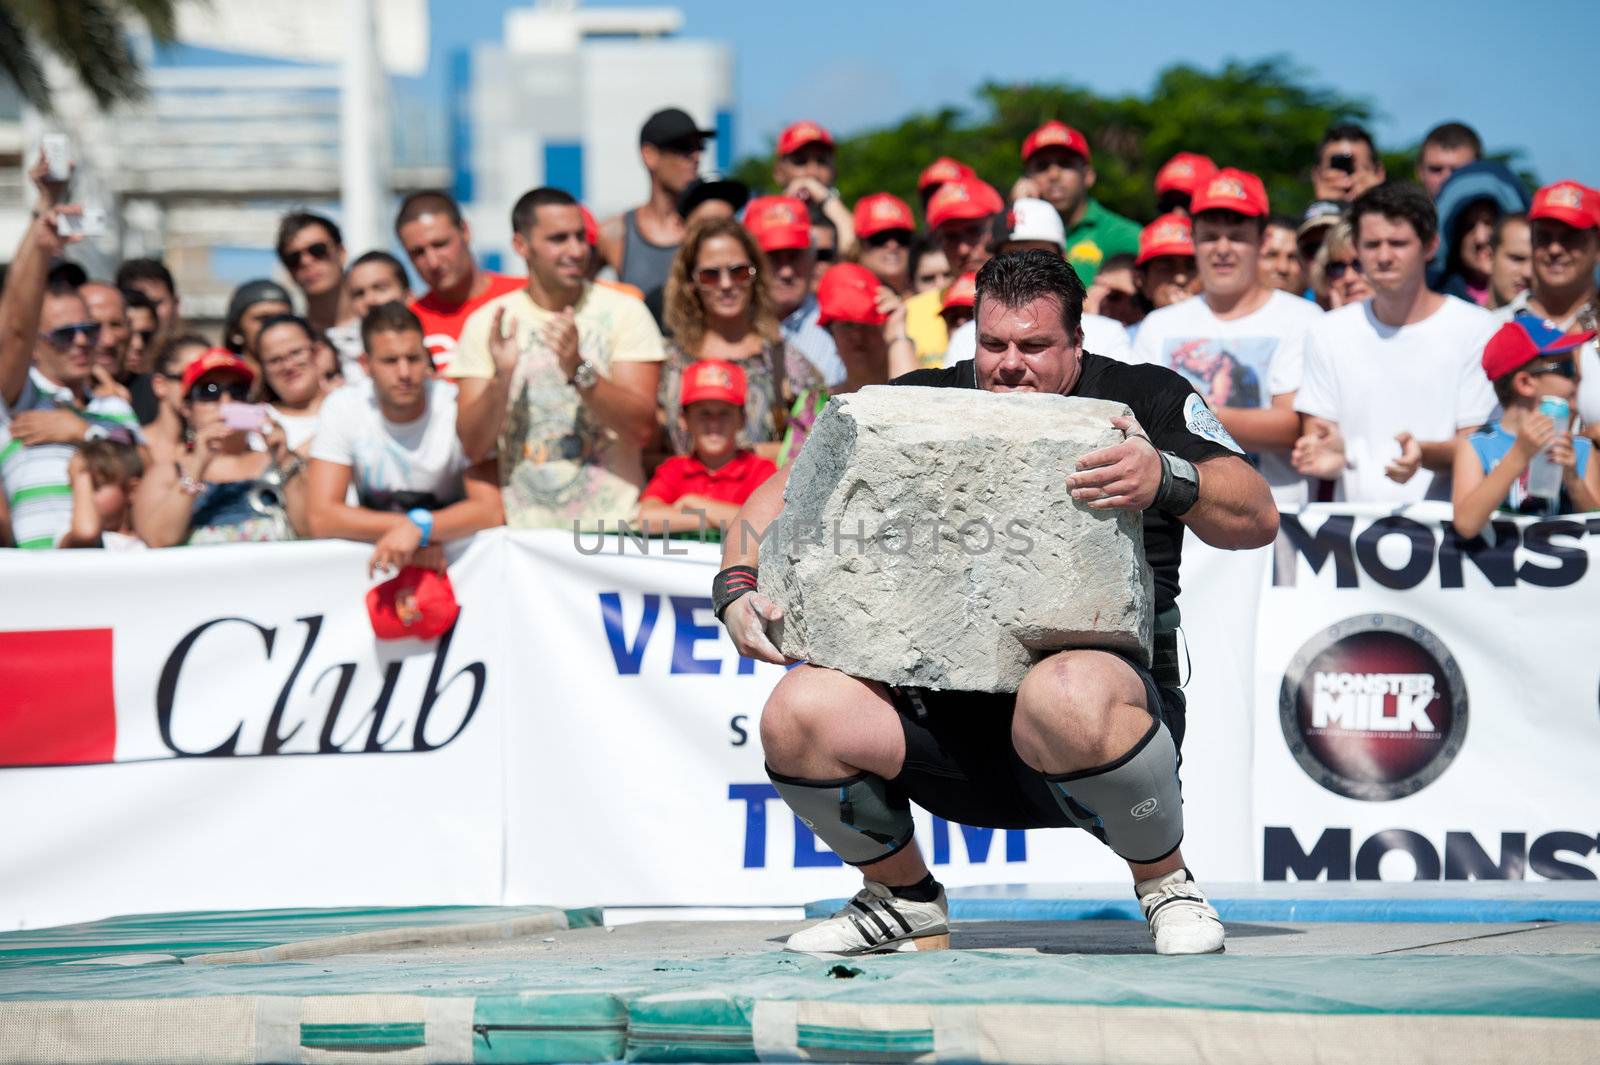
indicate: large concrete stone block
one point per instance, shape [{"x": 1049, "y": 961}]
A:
[{"x": 928, "y": 539}]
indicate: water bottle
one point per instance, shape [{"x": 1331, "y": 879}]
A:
[{"x": 1544, "y": 476}]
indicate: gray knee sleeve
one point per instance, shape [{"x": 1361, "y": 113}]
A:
[
  {"x": 860, "y": 817},
  {"x": 1134, "y": 801}
]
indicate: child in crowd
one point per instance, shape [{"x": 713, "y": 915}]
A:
[
  {"x": 1526, "y": 360},
  {"x": 103, "y": 475},
  {"x": 702, "y": 491}
]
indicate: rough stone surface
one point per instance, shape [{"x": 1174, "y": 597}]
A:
[{"x": 1013, "y": 570}]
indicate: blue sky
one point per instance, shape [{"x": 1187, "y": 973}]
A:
[{"x": 854, "y": 65}]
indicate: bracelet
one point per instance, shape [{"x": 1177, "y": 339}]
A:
[
  {"x": 729, "y": 585},
  {"x": 901, "y": 339},
  {"x": 189, "y": 486}
]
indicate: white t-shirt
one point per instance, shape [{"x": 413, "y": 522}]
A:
[
  {"x": 1240, "y": 362},
  {"x": 1378, "y": 380},
  {"x": 1587, "y": 403},
  {"x": 387, "y": 457},
  {"x": 1101, "y": 335},
  {"x": 297, "y": 428}
]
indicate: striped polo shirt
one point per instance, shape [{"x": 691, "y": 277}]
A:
[{"x": 35, "y": 478}]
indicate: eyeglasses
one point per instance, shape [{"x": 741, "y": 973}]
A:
[
  {"x": 712, "y": 276},
  {"x": 901, "y": 237},
  {"x": 320, "y": 251},
  {"x": 62, "y": 337},
  {"x": 213, "y": 391},
  {"x": 305, "y": 351},
  {"x": 1336, "y": 270},
  {"x": 1562, "y": 368}
]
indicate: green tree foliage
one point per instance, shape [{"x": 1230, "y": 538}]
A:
[
  {"x": 89, "y": 36},
  {"x": 1263, "y": 116}
]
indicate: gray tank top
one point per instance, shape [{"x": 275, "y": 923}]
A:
[{"x": 643, "y": 264}]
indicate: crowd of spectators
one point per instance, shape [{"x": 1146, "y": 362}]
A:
[{"x": 1393, "y": 341}]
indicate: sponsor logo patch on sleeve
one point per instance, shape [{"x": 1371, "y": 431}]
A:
[{"x": 1202, "y": 423}]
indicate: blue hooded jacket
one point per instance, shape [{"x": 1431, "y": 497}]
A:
[{"x": 1483, "y": 180}]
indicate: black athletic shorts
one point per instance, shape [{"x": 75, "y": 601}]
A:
[{"x": 960, "y": 763}]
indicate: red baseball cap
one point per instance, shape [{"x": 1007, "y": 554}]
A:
[
  {"x": 881, "y": 212},
  {"x": 963, "y": 292},
  {"x": 1171, "y": 234},
  {"x": 1523, "y": 339},
  {"x": 779, "y": 223},
  {"x": 591, "y": 228},
  {"x": 416, "y": 604},
  {"x": 963, "y": 199},
  {"x": 848, "y": 292},
  {"x": 1567, "y": 201},
  {"x": 1185, "y": 172},
  {"x": 1055, "y": 134},
  {"x": 941, "y": 170},
  {"x": 1232, "y": 190},
  {"x": 713, "y": 379},
  {"x": 800, "y": 134},
  {"x": 216, "y": 360}
]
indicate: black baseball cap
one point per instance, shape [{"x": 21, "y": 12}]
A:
[
  {"x": 735, "y": 193},
  {"x": 670, "y": 126}
]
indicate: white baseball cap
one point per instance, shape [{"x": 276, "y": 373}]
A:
[{"x": 1033, "y": 219}]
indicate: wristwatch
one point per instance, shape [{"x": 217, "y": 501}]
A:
[
  {"x": 423, "y": 519},
  {"x": 585, "y": 376},
  {"x": 1180, "y": 485}
]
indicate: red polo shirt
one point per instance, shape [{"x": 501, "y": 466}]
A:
[
  {"x": 442, "y": 322},
  {"x": 685, "y": 475}
]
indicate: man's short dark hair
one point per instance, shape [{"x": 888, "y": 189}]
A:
[
  {"x": 1452, "y": 135},
  {"x": 524, "y": 213},
  {"x": 1500, "y": 227},
  {"x": 145, "y": 270},
  {"x": 1123, "y": 260},
  {"x": 1020, "y": 277},
  {"x": 1399, "y": 201},
  {"x": 1347, "y": 131},
  {"x": 136, "y": 299},
  {"x": 391, "y": 317},
  {"x": 426, "y": 202},
  {"x": 1281, "y": 221},
  {"x": 387, "y": 260},
  {"x": 295, "y": 221}
]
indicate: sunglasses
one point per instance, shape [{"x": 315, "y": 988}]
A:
[
  {"x": 1563, "y": 368},
  {"x": 62, "y": 337},
  {"x": 693, "y": 146},
  {"x": 213, "y": 391},
  {"x": 1337, "y": 270},
  {"x": 827, "y": 255},
  {"x": 901, "y": 237},
  {"x": 712, "y": 276},
  {"x": 319, "y": 252}
]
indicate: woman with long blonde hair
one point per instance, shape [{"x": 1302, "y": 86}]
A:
[{"x": 717, "y": 307}]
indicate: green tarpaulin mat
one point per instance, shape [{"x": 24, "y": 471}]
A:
[{"x": 82, "y": 994}]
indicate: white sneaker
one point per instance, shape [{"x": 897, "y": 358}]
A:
[
  {"x": 1181, "y": 920},
  {"x": 876, "y": 921}
]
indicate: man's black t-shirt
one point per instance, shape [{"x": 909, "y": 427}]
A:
[{"x": 1167, "y": 408}]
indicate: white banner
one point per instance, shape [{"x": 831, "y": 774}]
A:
[
  {"x": 1425, "y": 707},
  {"x": 216, "y": 728}
]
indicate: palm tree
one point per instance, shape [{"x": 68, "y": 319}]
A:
[{"x": 89, "y": 36}]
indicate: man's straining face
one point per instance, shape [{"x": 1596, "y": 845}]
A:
[
  {"x": 1392, "y": 256},
  {"x": 1026, "y": 348}
]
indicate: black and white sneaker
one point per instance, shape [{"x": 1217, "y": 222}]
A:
[
  {"x": 1181, "y": 920},
  {"x": 875, "y": 921}
]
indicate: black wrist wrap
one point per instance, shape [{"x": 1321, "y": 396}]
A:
[{"x": 729, "y": 585}]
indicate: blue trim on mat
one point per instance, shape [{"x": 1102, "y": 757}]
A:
[{"x": 1426, "y": 911}]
